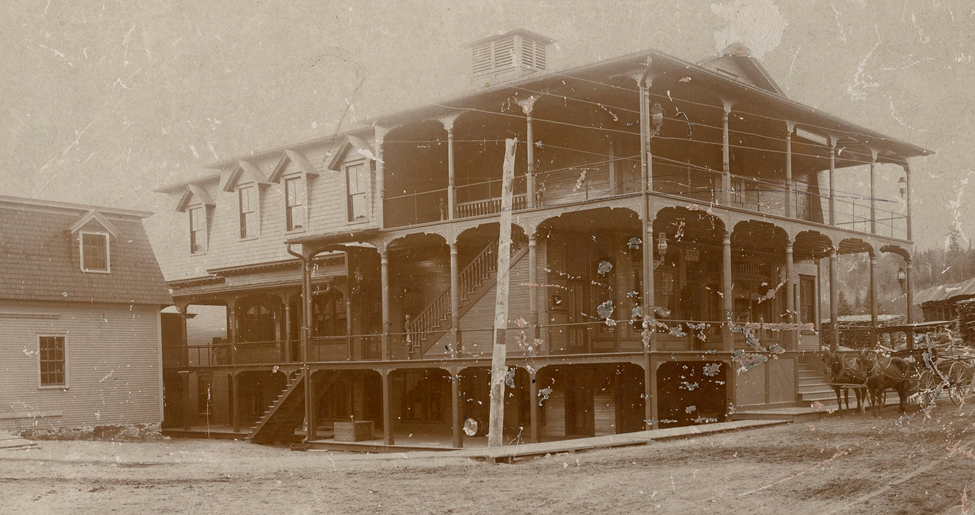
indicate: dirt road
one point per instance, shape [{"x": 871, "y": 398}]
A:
[{"x": 840, "y": 464}]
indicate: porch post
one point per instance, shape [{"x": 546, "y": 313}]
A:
[
  {"x": 187, "y": 411},
  {"x": 287, "y": 328},
  {"x": 387, "y": 412},
  {"x": 384, "y": 286},
  {"x": 834, "y": 303},
  {"x": 907, "y": 188},
  {"x": 451, "y": 171},
  {"x": 533, "y": 289},
  {"x": 788, "y": 171},
  {"x": 527, "y": 106},
  {"x": 910, "y": 292},
  {"x": 725, "y": 156},
  {"x": 457, "y": 439},
  {"x": 235, "y": 378},
  {"x": 536, "y": 428},
  {"x": 726, "y": 285},
  {"x": 832, "y": 181},
  {"x": 873, "y": 192},
  {"x": 455, "y": 300},
  {"x": 790, "y": 298},
  {"x": 232, "y": 328},
  {"x": 874, "y": 305},
  {"x": 379, "y": 203}
]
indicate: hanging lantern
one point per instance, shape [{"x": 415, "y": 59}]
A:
[{"x": 662, "y": 244}]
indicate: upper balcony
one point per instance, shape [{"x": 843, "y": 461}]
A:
[{"x": 700, "y": 133}]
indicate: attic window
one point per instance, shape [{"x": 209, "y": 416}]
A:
[{"x": 94, "y": 252}]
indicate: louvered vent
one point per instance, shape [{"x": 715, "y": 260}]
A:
[{"x": 508, "y": 56}]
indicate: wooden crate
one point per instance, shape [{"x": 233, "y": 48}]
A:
[{"x": 357, "y": 431}]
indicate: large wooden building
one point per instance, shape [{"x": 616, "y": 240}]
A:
[
  {"x": 80, "y": 329},
  {"x": 669, "y": 218}
]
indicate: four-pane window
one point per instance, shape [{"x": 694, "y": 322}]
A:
[
  {"x": 197, "y": 230},
  {"x": 52, "y": 362},
  {"x": 94, "y": 252},
  {"x": 358, "y": 179},
  {"x": 294, "y": 190},
  {"x": 248, "y": 211}
]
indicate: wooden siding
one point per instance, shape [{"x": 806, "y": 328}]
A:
[
  {"x": 113, "y": 364},
  {"x": 327, "y": 212}
]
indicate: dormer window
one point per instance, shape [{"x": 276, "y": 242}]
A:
[
  {"x": 247, "y": 197},
  {"x": 94, "y": 252},
  {"x": 294, "y": 192},
  {"x": 197, "y": 230}
]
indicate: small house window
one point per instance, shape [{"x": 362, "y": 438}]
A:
[
  {"x": 94, "y": 252},
  {"x": 52, "y": 361},
  {"x": 807, "y": 299},
  {"x": 294, "y": 190},
  {"x": 197, "y": 230},
  {"x": 248, "y": 211},
  {"x": 358, "y": 179}
]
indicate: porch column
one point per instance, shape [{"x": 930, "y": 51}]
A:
[
  {"x": 348, "y": 327},
  {"x": 451, "y": 171},
  {"x": 387, "y": 412},
  {"x": 790, "y": 298},
  {"x": 907, "y": 191},
  {"x": 527, "y": 106},
  {"x": 725, "y": 156},
  {"x": 874, "y": 305},
  {"x": 788, "y": 171},
  {"x": 457, "y": 439},
  {"x": 832, "y": 181},
  {"x": 614, "y": 186},
  {"x": 455, "y": 299},
  {"x": 378, "y": 203},
  {"x": 235, "y": 386},
  {"x": 187, "y": 409},
  {"x": 873, "y": 193},
  {"x": 384, "y": 287},
  {"x": 232, "y": 328},
  {"x": 533, "y": 289},
  {"x": 536, "y": 428},
  {"x": 650, "y": 420},
  {"x": 910, "y": 291},
  {"x": 287, "y": 328},
  {"x": 834, "y": 303},
  {"x": 727, "y": 337}
]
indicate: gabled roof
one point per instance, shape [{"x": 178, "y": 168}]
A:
[
  {"x": 39, "y": 256},
  {"x": 351, "y": 142},
  {"x": 292, "y": 156},
  {"x": 98, "y": 217},
  {"x": 736, "y": 63},
  {"x": 193, "y": 191},
  {"x": 244, "y": 171},
  {"x": 945, "y": 292}
]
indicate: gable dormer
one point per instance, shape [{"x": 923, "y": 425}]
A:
[
  {"x": 244, "y": 172},
  {"x": 94, "y": 233},
  {"x": 352, "y": 144},
  {"x": 197, "y": 203},
  {"x": 294, "y": 170},
  {"x": 736, "y": 63}
]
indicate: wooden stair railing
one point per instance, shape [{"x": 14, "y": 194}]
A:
[
  {"x": 438, "y": 312},
  {"x": 281, "y": 412}
]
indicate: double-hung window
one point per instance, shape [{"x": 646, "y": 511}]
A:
[
  {"x": 248, "y": 211},
  {"x": 197, "y": 230},
  {"x": 94, "y": 252},
  {"x": 294, "y": 191},
  {"x": 358, "y": 181},
  {"x": 51, "y": 358}
]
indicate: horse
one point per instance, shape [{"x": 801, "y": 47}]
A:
[
  {"x": 848, "y": 372},
  {"x": 883, "y": 373}
]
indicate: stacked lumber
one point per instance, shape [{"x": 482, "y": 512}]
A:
[{"x": 966, "y": 320}]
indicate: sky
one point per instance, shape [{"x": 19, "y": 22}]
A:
[{"x": 100, "y": 102}]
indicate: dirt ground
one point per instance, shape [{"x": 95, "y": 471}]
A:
[{"x": 842, "y": 463}]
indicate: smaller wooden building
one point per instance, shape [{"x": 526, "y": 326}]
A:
[{"x": 80, "y": 332}]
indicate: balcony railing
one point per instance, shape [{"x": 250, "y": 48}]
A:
[{"x": 586, "y": 183}]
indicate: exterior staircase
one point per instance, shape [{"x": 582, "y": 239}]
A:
[
  {"x": 814, "y": 387},
  {"x": 284, "y": 415},
  {"x": 475, "y": 280},
  {"x": 287, "y": 412}
]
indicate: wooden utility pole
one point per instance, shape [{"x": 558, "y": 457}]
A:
[{"x": 499, "y": 369}]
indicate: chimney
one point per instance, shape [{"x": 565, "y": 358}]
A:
[{"x": 507, "y": 56}]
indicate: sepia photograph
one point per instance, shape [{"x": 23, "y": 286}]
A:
[{"x": 535, "y": 256}]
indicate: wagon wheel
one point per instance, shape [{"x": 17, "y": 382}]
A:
[
  {"x": 956, "y": 382},
  {"x": 926, "y": 388}
]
